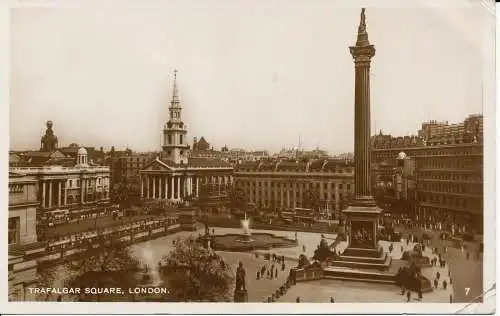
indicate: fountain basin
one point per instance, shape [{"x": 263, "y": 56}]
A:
[{"x": 243, "y": 243}]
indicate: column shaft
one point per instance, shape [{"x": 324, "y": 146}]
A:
[
  {"x": 43, "y": 194},
  {"x": 50, "y": 193},
  {"x": 59, "y": 192}
]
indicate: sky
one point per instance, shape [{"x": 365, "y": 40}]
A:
[{"x": 251, "y": 74}]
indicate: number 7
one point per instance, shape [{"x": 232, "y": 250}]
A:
[{"x": 467, "y": 290}]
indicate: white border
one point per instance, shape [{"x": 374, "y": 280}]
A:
[{"x": 281, "y": 308}]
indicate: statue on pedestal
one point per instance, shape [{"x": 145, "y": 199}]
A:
[
  {"x": 207, "y": 230},
  {"x": 240, "y": 291},
  {"x": 240, "y": 278}
]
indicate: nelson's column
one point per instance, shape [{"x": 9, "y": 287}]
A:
[{"x": 362, "y": 214}]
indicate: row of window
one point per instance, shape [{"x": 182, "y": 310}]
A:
[
  {"x": 259, "y": 194},
  {"x": 91, "y": 182},
  {"x": 437, "y": 152},
  {"x": 16, "y": 188},
  {"x": 285, "y": 184},
  {"x": 446, "y": 175},
  {"x": 456, "y": 163},
  {"x": 170, "y": 138},
  {"x": 473, "y": 189},
  {"x": 296, "y": 169},
  {"x": 451, "y": 201}
]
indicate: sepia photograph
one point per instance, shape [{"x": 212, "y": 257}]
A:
[{"x": 251, "y": 152}]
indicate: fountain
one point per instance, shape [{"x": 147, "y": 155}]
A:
[
  {"x": 247, "y": 236},
  {"x": 244, "y": 242},
  {"x": 151, "y": 276}
]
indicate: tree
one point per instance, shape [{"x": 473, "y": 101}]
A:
[
  {"x": 195, "y": 273},
  {"x": 125, "y": 195},
  {"x": 238, "y": 199},
  {"x": 46, "y": 276},
  {"x": 110, "y": 266},
  {"x": 311, "y": 199}
]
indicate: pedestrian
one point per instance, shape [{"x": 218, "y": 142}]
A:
[
  {"x": 408, "y": 295},
  {"x": 451, "y": 299},
  {"x": 445, "y": 284},
  {"x": 435, "y": 283},
  {"x": 332, "y": 300},
  {"x": 258, "y": 275},
  {"x": 403, "y": 290},
  {"x": 438, "y": 275},
  {"x": 401, "y": 248},
  {"x": 297, "y": 300},
  {"x": 276, "y": 273}
]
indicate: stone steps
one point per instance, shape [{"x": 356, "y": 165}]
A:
[
  {"x": 355, "y": 279},
  {"x": 358, "y": 275},
  {"x": 379, "y": 260}
]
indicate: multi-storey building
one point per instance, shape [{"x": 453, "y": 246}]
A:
[
  {"x": 23, "y": 205},
  {"x": 69, "y": 187},
  {"x": 127, "y": 167},
  {"x": 283, "y": 184},
  {"x": 450, "y": 187},
  {"x": 175, "y": 175},
  {"x": 448, "y": 171},
  {"x": 66, "y": 178}
]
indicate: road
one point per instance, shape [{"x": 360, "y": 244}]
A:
[
  {"x": 467, "y": 274},
  {"x": 90, "y": 223}
]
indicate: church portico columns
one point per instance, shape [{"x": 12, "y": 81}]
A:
[
  {"x": 66, "y": 193},
  {"x": 159, "y": 187},
  {"x": 43, "y": 194},
  {"x": 59, "y": 192},
  {"x": 166, "y": 187},
  {"x": 178, "y": 196},
  {"x": 153, "y": 184},
  {"x": 172, "y": 188},
  {"x": 50, "y": 193},
  {"x": 142, "y": 187},
  {"x": 197, "y": 186}
]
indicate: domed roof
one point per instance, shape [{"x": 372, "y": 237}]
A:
[
  {"x": 401, "y": 155},
  {"x": 82, "y": 151}
]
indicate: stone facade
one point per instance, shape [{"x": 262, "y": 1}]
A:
[
  {"x": 175, "y": 176},
  {"x": 23, "y": 205},
  {"x": 66, "y": 187},
  {"x": 448, "y": 171},
  {"x": 283, "y": 184}
]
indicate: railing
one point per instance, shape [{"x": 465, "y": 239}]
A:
[{"x": 308, "y": 274}]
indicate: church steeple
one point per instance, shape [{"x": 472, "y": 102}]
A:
[
  {"x": 175, "y": 145},
  {"x": 175, "y": 107},
  {"x": 175, "y": 93}
]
